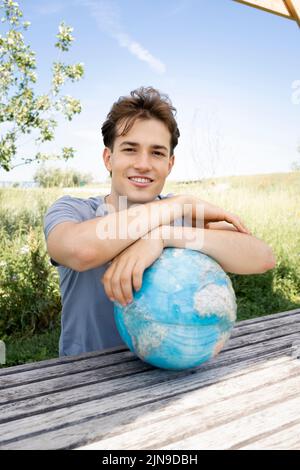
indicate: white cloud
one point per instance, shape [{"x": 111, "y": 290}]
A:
[
  {"x": 107, "y": 16},
  {"x": 181, "y": 6},
  {"x": 140, "y": 52}
]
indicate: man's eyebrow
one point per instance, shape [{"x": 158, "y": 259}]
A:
[
  {"x": 129, "y": 143},
  {"x": 136, "y": 144},
  {"x": 159, "y": 147}
]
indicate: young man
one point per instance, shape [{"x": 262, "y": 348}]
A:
[{"x": 102, "y": 245}]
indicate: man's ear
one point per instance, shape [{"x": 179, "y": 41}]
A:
[
  {"x": 171, "y": 163},
  {"x": 106, "y": 158}
]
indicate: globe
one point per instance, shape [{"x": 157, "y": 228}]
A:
[{"x": 183, "y": 314}]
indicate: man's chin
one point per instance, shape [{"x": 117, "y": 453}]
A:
[
  {"x": 140, "y": 195},
  {"x": 141, "y": 198}
]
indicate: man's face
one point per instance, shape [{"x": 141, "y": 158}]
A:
[{"x": 144, "y": 152}]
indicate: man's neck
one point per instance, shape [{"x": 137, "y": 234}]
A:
[{"x": 118, "y": 202}]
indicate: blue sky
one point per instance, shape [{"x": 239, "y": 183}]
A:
[{"x": 227, "y": 68}]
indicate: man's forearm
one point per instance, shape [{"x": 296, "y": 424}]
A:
[
  {"x": 236, "y": 252},
  {"x": 102, "y": 238}
]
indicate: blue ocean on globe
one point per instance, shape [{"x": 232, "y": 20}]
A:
[{"x": 183, "y": 314}]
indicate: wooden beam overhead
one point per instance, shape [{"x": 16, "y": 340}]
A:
[
  {"x": 287, "y": 8},
  {"x": 294, "y": 8},
  {"x": 278, "y": 7}
]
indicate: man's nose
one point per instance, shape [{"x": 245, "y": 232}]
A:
[{"x": 143, "y": 160}]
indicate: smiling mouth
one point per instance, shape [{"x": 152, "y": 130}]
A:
[{"x": 141, "y": 182}]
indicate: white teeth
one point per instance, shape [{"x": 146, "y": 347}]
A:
[{"x": 140, "y": 180}]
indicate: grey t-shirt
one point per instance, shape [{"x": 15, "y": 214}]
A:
[{"x": 87, "y": 322}]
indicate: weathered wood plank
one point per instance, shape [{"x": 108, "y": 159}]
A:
[
  {"x": 230, "y": 435},
  {"x": 70, "y": 368},
  {"x": 263, "y": 335},
  {"x": 65, "y": 408},
  {"x": 284, "y": 438},
  {"x": 95, "y": 420},
  {"x": 234, "y": 352},
  {"x": 93, "y": 363},
  {"x": 276, "y": 322},
  {"x": 19, "y": 409},
  {"x": 100, "y": 377},
  {"x": 270, "y": 317},
  {"x": 207, "y": 409},
  {"x": 124, "y": 353},
  {"x": 62, "y": 360}
]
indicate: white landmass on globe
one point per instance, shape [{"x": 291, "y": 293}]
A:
[
  {"x": 217, "y": 300},
  {"x": 152, "y": 337},
  {"x": 221, "y": 343}
]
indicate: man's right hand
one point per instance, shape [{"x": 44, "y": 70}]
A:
[{"x": 202, "y": 212}]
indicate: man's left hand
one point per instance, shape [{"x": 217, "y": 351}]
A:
[{"x": 127, "y": 268}]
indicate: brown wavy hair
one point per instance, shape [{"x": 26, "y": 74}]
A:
[{"x": 143, "y": 103}]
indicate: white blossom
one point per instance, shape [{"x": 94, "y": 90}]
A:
[{"x": 25, "y": 249}]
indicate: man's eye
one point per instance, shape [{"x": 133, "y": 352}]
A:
[{"x": 159, "y": 154}]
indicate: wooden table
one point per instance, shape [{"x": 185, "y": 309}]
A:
[{"x": 245, "y": 398}]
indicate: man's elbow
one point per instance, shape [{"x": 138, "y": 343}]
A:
[
  {"x": 270, "y": 261},
  {"x": 88, "y": 259},
  {"x": 83, "y": 261}
]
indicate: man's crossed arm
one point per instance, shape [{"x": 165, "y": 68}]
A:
[
  {"x": 92, "y": 243},
  {"x": 235, "y": 251},
  {"x": 119, "y": 238}
]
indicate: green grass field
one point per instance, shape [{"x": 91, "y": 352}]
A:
[{"x": 29, "y": 289}]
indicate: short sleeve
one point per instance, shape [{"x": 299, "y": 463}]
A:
[{"x": 65, "y": 209}]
